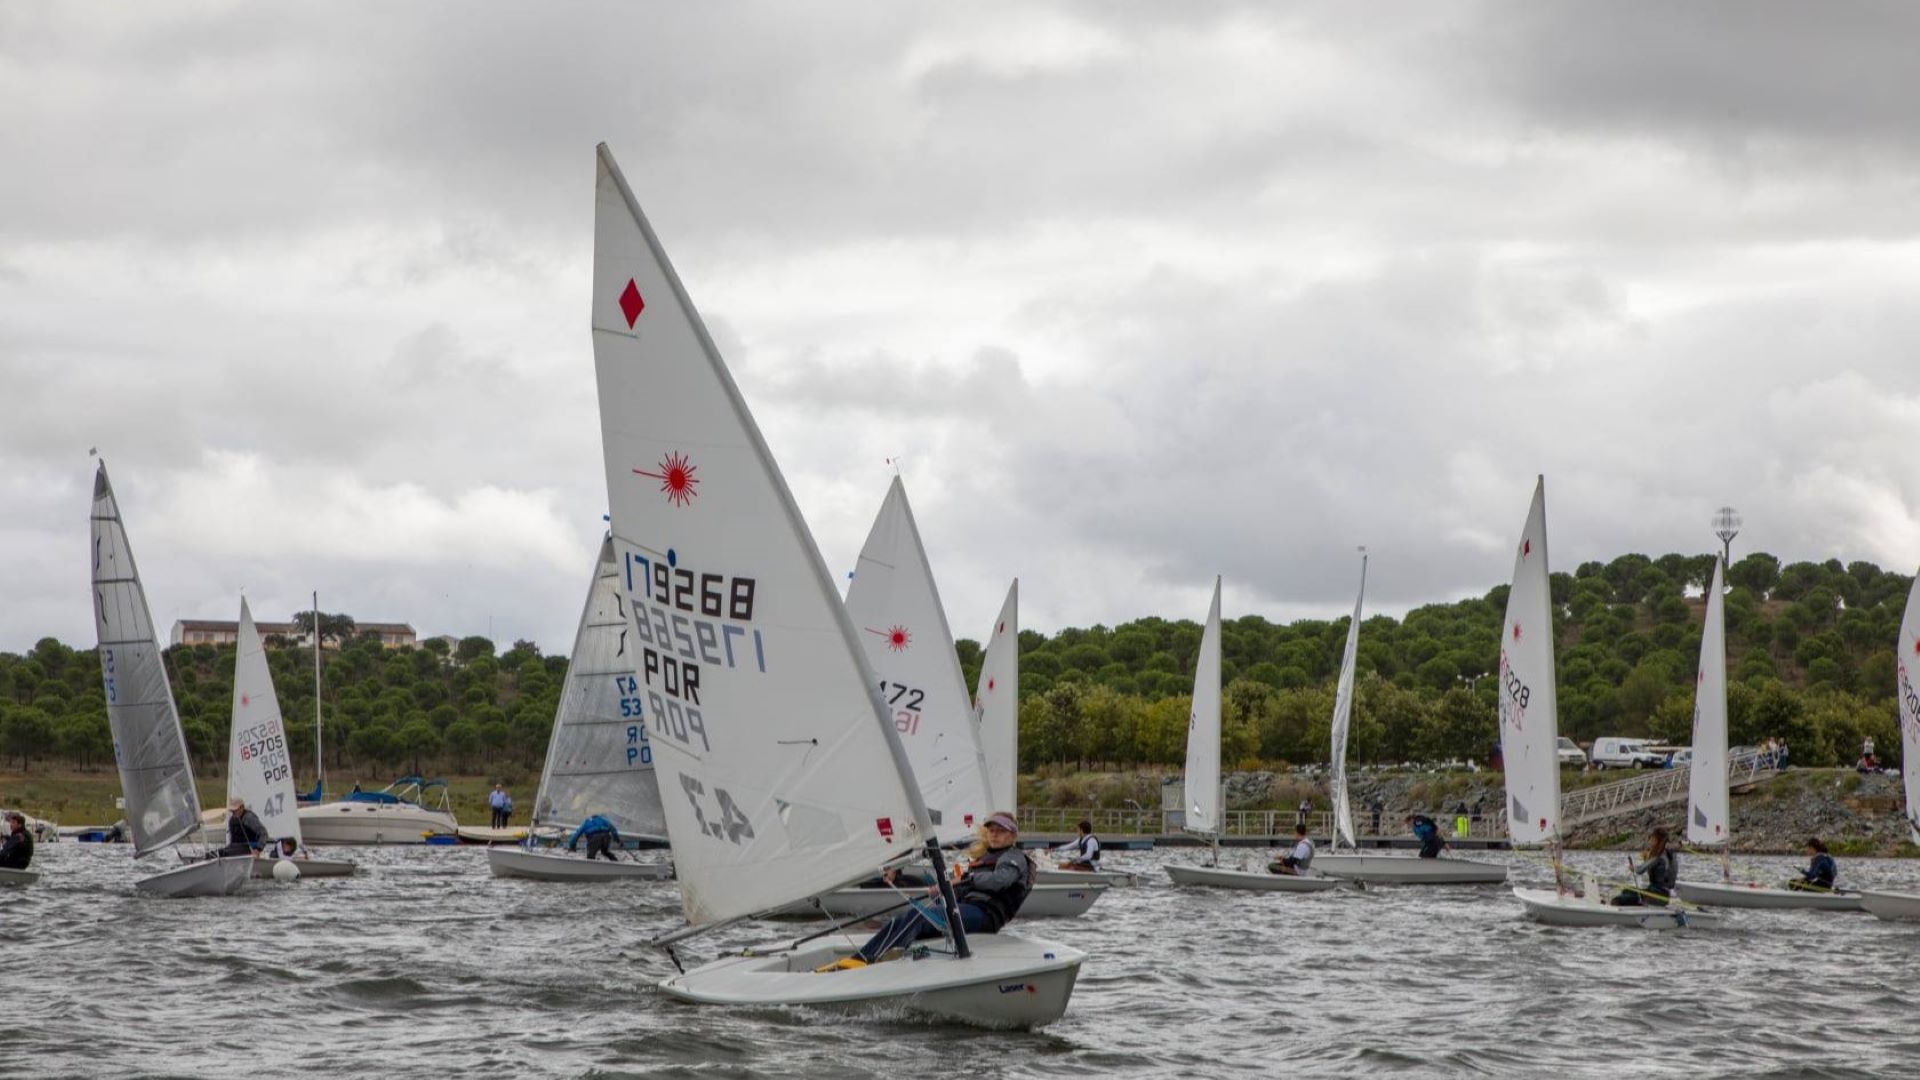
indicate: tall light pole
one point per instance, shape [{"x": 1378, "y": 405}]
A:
[{"x": 1726, "y": 526}]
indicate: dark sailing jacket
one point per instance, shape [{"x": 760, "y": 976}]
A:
[{"x": 997, "y": 884}]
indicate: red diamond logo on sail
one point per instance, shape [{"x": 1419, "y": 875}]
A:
[
  {"x": 676, "y": 478},
  {"x": 885, "y": 826},
  {"x": 246, "y": 699},
  {"x": 631, "y": 304},
  {"x": 1526, "y": 543},
  {"x": 990, "y": 683},
  {"x": 1516, "y": 631}
]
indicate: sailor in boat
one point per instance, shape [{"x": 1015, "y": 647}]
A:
[
  {"x": 1301, "y": 857},
  {"x": 284, "y": 848},
  {"x": 1427, "y": 831},
  {"x": 1083, "y": 852},
  {"x": 16, "y": 851},
  {"x": 1821, "y": 870},
  {"x": 1662, "y": 868},
  {"x": 600, "y": 835},
  {"x": 245, "y": 834},
  {"x": 987, "y": 894}
]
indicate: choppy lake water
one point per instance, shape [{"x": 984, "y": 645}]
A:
[{"x": 424, "y": 965}]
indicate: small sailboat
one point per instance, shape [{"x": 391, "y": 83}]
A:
[
  {"x": 259, "y": 760},
  {"x": 1202, "y": 781},
  {"x": 1709, "y": 811},
  {"x": 1381, "y": 868},
  {"x": 1529, "y": 740},
  {"x": 785, "y": 776},
  {"x": 599, "y": 760},
  {"x": 1883, "y": 903},
  {"x": 156, "y": 777}
]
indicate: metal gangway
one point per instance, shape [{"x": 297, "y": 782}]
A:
[{"x": 1746, "y": 766}]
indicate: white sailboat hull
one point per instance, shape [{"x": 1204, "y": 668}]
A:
[
  {"x": 18, "y": 877},
  {"x": 1752, "y": 895},
  {"x": 209, "y": 877},
  {"x": 344, "y": 823},
  {"x": 1891, "y": 905},
  {"x": 1008, "y": 982},
  {"x": 513, "y": 862},
  {"x": 1409, "y": 870},
  {"x": 1119, "y": 879},
  {"x": 1557, "y": 909},
  {"x": 263, "y": 868},
  {"x": 1043, "y": 902},
  {"x": 1219, "y": 877}
]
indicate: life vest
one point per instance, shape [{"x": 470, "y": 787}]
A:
[{"x": 1001, "y": 906}]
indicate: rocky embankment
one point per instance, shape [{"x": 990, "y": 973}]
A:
[{"x": 1855, "y": 814}]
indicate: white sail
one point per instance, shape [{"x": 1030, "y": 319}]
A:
[
  {"x": 1202, "y": 781},
  {"x": 996, "y": 704},
  {"x": 1529, "y": 718},
  {"x": 781, "y": 775},
  {"x": 1342, "y": 715},
  {"x": 599, "y": 759},
  {"x": 896, "y": 608},
  {"x": 259, "y": 762},
  {"x": 162, "y": 806},
  {"x": 1708, "y": 815},
  {"x": 1908, "y": 691}
]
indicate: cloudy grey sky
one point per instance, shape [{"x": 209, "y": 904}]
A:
[{"x": 1136, "y": 292}]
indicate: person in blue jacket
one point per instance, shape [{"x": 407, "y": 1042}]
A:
[
  {"x": 600, "y": 834},
  {"x": 1427, "y": 831},
  {"x": 1821, "y": 870}
]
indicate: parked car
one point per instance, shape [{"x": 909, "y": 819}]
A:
[
  {"x": 1618, "y": 753},
  {"x": 1680, "y": 758},
  {"x": 1571, "y": 754}
]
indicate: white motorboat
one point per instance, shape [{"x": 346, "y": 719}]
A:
[
  {"x": 1042, "y": 902},
  {"x": 1892, "y": 906},
  {"x": 400, "y": 813},
  {"x": 156, "y": 775},
  {"x": 761, "y": 705},
  {"x": 1386, "y": 869},
  {"x": 1220, "y": 877},
  {"x": 18, "y": 877},
  {"x": 1569, "y": 909},
  {"x": 518, "y": 862},
  {"x": 1755, "y": 895},
  {"x": 1119, "y": 879}
]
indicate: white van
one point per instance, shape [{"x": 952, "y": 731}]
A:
[
  {"x": 1570, "y": 753},
  {"x": 1616, "y": 753}
]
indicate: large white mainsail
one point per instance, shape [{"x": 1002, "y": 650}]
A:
[
  {"x": 1708, "y": 819},
  {"x": 599, "y": 758},
  {"x": 896, "y": 607},
  {"x": 1907, "y": 689},
  {"x": 781, "y": 775},
  {"x": 1342, "y": 715},
  {"x": 259, "y": 762},
  {"x": 996, "y": 704},
  {"x": 1202, "y": 781},
  {"x": 1529, "y": 718},
  {"x": 151, "y": 751}
]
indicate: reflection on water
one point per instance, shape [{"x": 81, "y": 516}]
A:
[{"x": 426, "y": 965}]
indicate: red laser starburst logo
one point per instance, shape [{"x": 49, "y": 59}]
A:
[
  {"x": 676, "y": 478},
  {"x": 1526, "y": 547},
  {"x": 898, "y": 637},
  {"x": 1516, "y": 631}
]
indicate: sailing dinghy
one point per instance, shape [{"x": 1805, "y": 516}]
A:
[
  {"x": 156, "y": 778},
  {"x": 1202, "y": 781},
  {"x": 599, "y": 760},
  {"x": 1529, "y": 740},
  {"x": 1709, "y": 812},
  {"x": 1883, "y": 903},
  {"x": 1380, "y": 868},
  {"x": 259, "y": 760},
  {"x": 785, "y": 775}
]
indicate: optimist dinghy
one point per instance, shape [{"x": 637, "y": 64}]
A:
[
  {"x": 163, "y": 808},
  {"x": 784, "y": 772},
  {"x": 1379, "y": 868},
  {"x": 1202, "y": 781},
  {"x": 599, "y": 758}
]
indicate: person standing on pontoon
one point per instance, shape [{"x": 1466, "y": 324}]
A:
[
  {"x": 1301, "y": 858},
  {"x": 16, "y": 851},
  {"x": 1821, "y": 870},
  {"x": 1083, "y": 852},
  {"x": 601, "y": 836},
  {"x": 987, "y": 895},
  {"x": 1662, "y": 868},
  {"x": 501, "y": 805}
]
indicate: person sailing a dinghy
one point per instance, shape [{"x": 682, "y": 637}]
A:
[
  {"x": 601, "y": 836},
  {"x": 1662, "y": 868},
  {"x": 245, "y": 834},
  {"x": 284, "y": 848},
  {"x": 1427, "y": 831},
  {"x": 1301, "y": 858},
  {"x": 987, "y": 894},
  {"x": 1821, "y": 869},
  {"x": 16, "y": 851},
  {"x": 1083, "y": 852}
]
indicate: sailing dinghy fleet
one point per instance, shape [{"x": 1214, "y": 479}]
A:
[{"x": 805, "y": 755}]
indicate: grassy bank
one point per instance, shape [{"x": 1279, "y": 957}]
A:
[{"x": 85, "y": 797}]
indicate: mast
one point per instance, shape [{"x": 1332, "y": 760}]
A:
[{"x": 319, "y": 757}]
